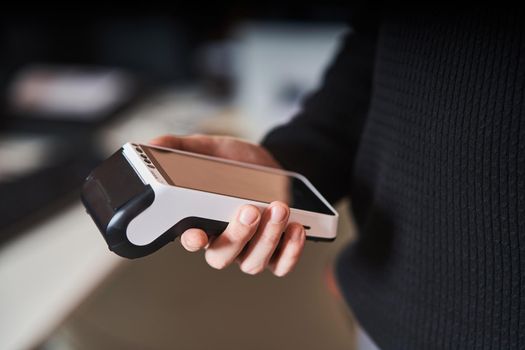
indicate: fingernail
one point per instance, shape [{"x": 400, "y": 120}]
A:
[
  {"x": 248, "y": 216},
  {"x": 278, "y": 214}
]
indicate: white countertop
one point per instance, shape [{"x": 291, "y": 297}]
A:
[{"x": 47, "y": 271}]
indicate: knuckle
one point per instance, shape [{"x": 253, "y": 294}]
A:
[
  {"x": 216, "y": 262},
  {"x": 189, "y": 248},
  {"x": 206, "y": 140},
  {"x": 294, "y": 227},
  {"x": 296, "y": 234},
  {"x": 294, "y": 251},
  {"x": 189, "y": 240},
  {"x": 217, "y": 265},
  {"x": 279, "y": 203},
  {"x": 294, "y": 256},
  {"x": 251, "y": 269},
  {"x": 185, "y": 244},
  {"x": 280, "y": 273},
  {"x": 270, "y": 239},
  {"x": 193, "y": 240},
  {"x": 163, "y": 137},
  {"x": 239, "y": 234}
]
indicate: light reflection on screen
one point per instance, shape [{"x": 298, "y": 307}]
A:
[{"x": 225, "y": 178}]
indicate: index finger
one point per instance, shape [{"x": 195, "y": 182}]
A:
[
  {"x": 227, "y": 246},
  {"x": 194, "y": 239}
]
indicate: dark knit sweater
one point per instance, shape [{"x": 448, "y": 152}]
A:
[{"x": 421, "y": 123}]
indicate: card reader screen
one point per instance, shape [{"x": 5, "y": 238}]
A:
[{"x": 216, "y": 176}]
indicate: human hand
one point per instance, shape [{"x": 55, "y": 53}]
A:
[{"x": 253, "y": 239}]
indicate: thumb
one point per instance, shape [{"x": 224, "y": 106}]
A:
[{"x": 195, "y": 143}]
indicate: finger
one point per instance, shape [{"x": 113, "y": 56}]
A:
[
  {"x": 225, "y": 248},
  {"x": 290, "y": 250},
  {"x": 263, "y": 244},
  {"x": 169, "y": 141},
  {"x": 194, "y": 239},
  {"x": 194, "y": 143}
]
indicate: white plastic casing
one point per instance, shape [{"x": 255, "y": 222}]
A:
[{"x": 173, "y": 204}]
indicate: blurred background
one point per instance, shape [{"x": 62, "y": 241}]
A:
[{"x": 76, "y": 85}]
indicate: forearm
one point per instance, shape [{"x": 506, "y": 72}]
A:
[{"x": 321, "y": 141}]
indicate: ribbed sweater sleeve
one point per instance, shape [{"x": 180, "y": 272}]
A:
[{"x": 321, "y": 141}]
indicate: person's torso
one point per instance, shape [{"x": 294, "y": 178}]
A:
[{"x": 438, "y": 189}]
